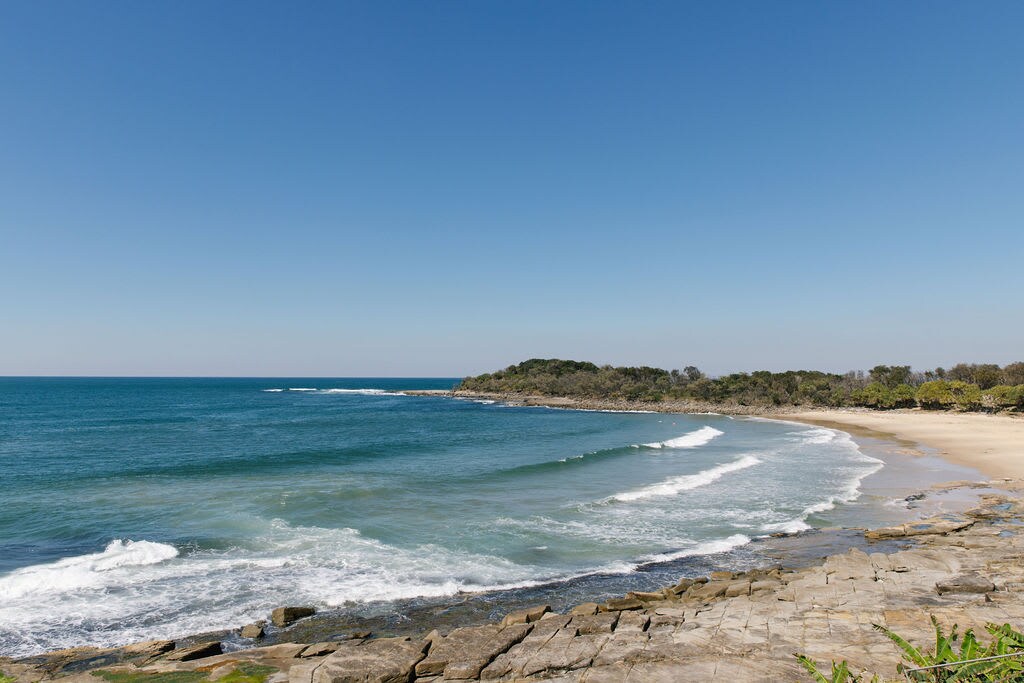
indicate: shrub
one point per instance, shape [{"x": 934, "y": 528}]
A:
[
  {"x": 1003, "y": 397},
  {"x": 935, "y": 395}
]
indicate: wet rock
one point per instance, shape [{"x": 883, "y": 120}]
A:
[
  {"x": 646, "y": 596},
  {"x": 385, "y": 660},
  {"x": 942, "y": 524},
  {"x": 187, "y": 654},
  {"x": 253, "y": 630},
  {"x": 617, "y": 604},
  {"x": 525, "y": 616},
  {"x": 721, "y": 576},
  {"x": 283, "y": 616},
  {"x": 965, "y": 583}
]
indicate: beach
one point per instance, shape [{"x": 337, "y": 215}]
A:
[{"x": 993, "y": 444}]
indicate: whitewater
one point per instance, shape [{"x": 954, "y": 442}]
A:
[{"x": 150, "y": 508}]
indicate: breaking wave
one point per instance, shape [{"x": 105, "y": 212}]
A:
[
  {"x": 675, "y": 485},
  {"x": 693, "y": 439}
]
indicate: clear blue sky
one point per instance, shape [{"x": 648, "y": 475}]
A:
[{"x": 444, "y": 188}]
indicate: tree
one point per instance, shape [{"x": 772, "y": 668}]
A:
[
  {"x": 1013, "y": 374},
  {"x": 890, "y": 376}
]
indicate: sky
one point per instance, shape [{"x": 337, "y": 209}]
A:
[{"x": 446, "y": 188}]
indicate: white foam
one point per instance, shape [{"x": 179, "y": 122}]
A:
[
  {"x": 792, "y": 526},
  {"x": 302, "y": 389},
  {"x": 818, "y": 436},
  {"x": 273, "y": 390},
  {"x": 706, "y": 548},
  {"x": 84, "y": 571},
  {"x": 130, "y": 592},
  {"x": 693, "y": 439},
  {"x": 364, "y": 392},
  {"x": 676, "y": 485}
]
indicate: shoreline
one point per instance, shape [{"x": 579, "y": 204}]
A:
[
  {"x": 990, "y": 443},
  {"x": 670, "y": 662}
]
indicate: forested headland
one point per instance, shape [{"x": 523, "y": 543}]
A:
[{"x": 965, "y": 386}]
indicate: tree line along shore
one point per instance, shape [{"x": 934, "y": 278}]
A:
[{"x": 966, "y": 386}]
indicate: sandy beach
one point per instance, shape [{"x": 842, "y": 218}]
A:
[{"x": 993, "y": 444}]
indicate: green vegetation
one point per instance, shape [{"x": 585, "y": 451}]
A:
[
  {"x": 4, "y": 678},
  {"x": 142, "y": 677},
  {"x": 245, "y": 672},
  {"x": 248, "y": 672},
  {"x": 884, "y": 387},
  {"x": 970, "y": 663}
]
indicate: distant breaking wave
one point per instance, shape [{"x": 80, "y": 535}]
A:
[
  {"x": 675, "y": 485},
  {"x": 692, "y": 439},
  {"x": 360, "y": 392},
  {"x": 363, "y": 392}
]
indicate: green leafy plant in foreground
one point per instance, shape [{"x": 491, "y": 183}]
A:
[
  {"x": 951, "y": 664},
  {"x": 840, "y": 672},
  {"x": 4, "y": 678}
]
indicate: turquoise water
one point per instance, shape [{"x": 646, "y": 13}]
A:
[{"x": 144, "y": 508}]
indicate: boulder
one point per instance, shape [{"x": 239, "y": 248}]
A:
[
  {"x": 319, "y": 649},
  {"x": 585, "y": 609},
  {"x": 525, "y": 616},
  {"x": 646, "y": 596},
  {"x": 187, "y": 654},
  {"x": 617, "y": 604},
  {"x": 709, "y": 591},
  {"x": 253, "y": 630},
  {"x": 965, "y": 583},
  {"x": 147, "y": 649},
  {"x": 283, "y": 616}
]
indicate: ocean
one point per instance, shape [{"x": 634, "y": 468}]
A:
[{"x": 156, "y": 508}]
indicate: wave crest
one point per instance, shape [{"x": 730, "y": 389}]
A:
[
  {"x": 675, "y": 485},
  {"x": 693, "y": 439}
]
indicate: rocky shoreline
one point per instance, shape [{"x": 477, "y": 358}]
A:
[
  {"x": 728, "y": 626},
  {"x": 576, "y": 403}
]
